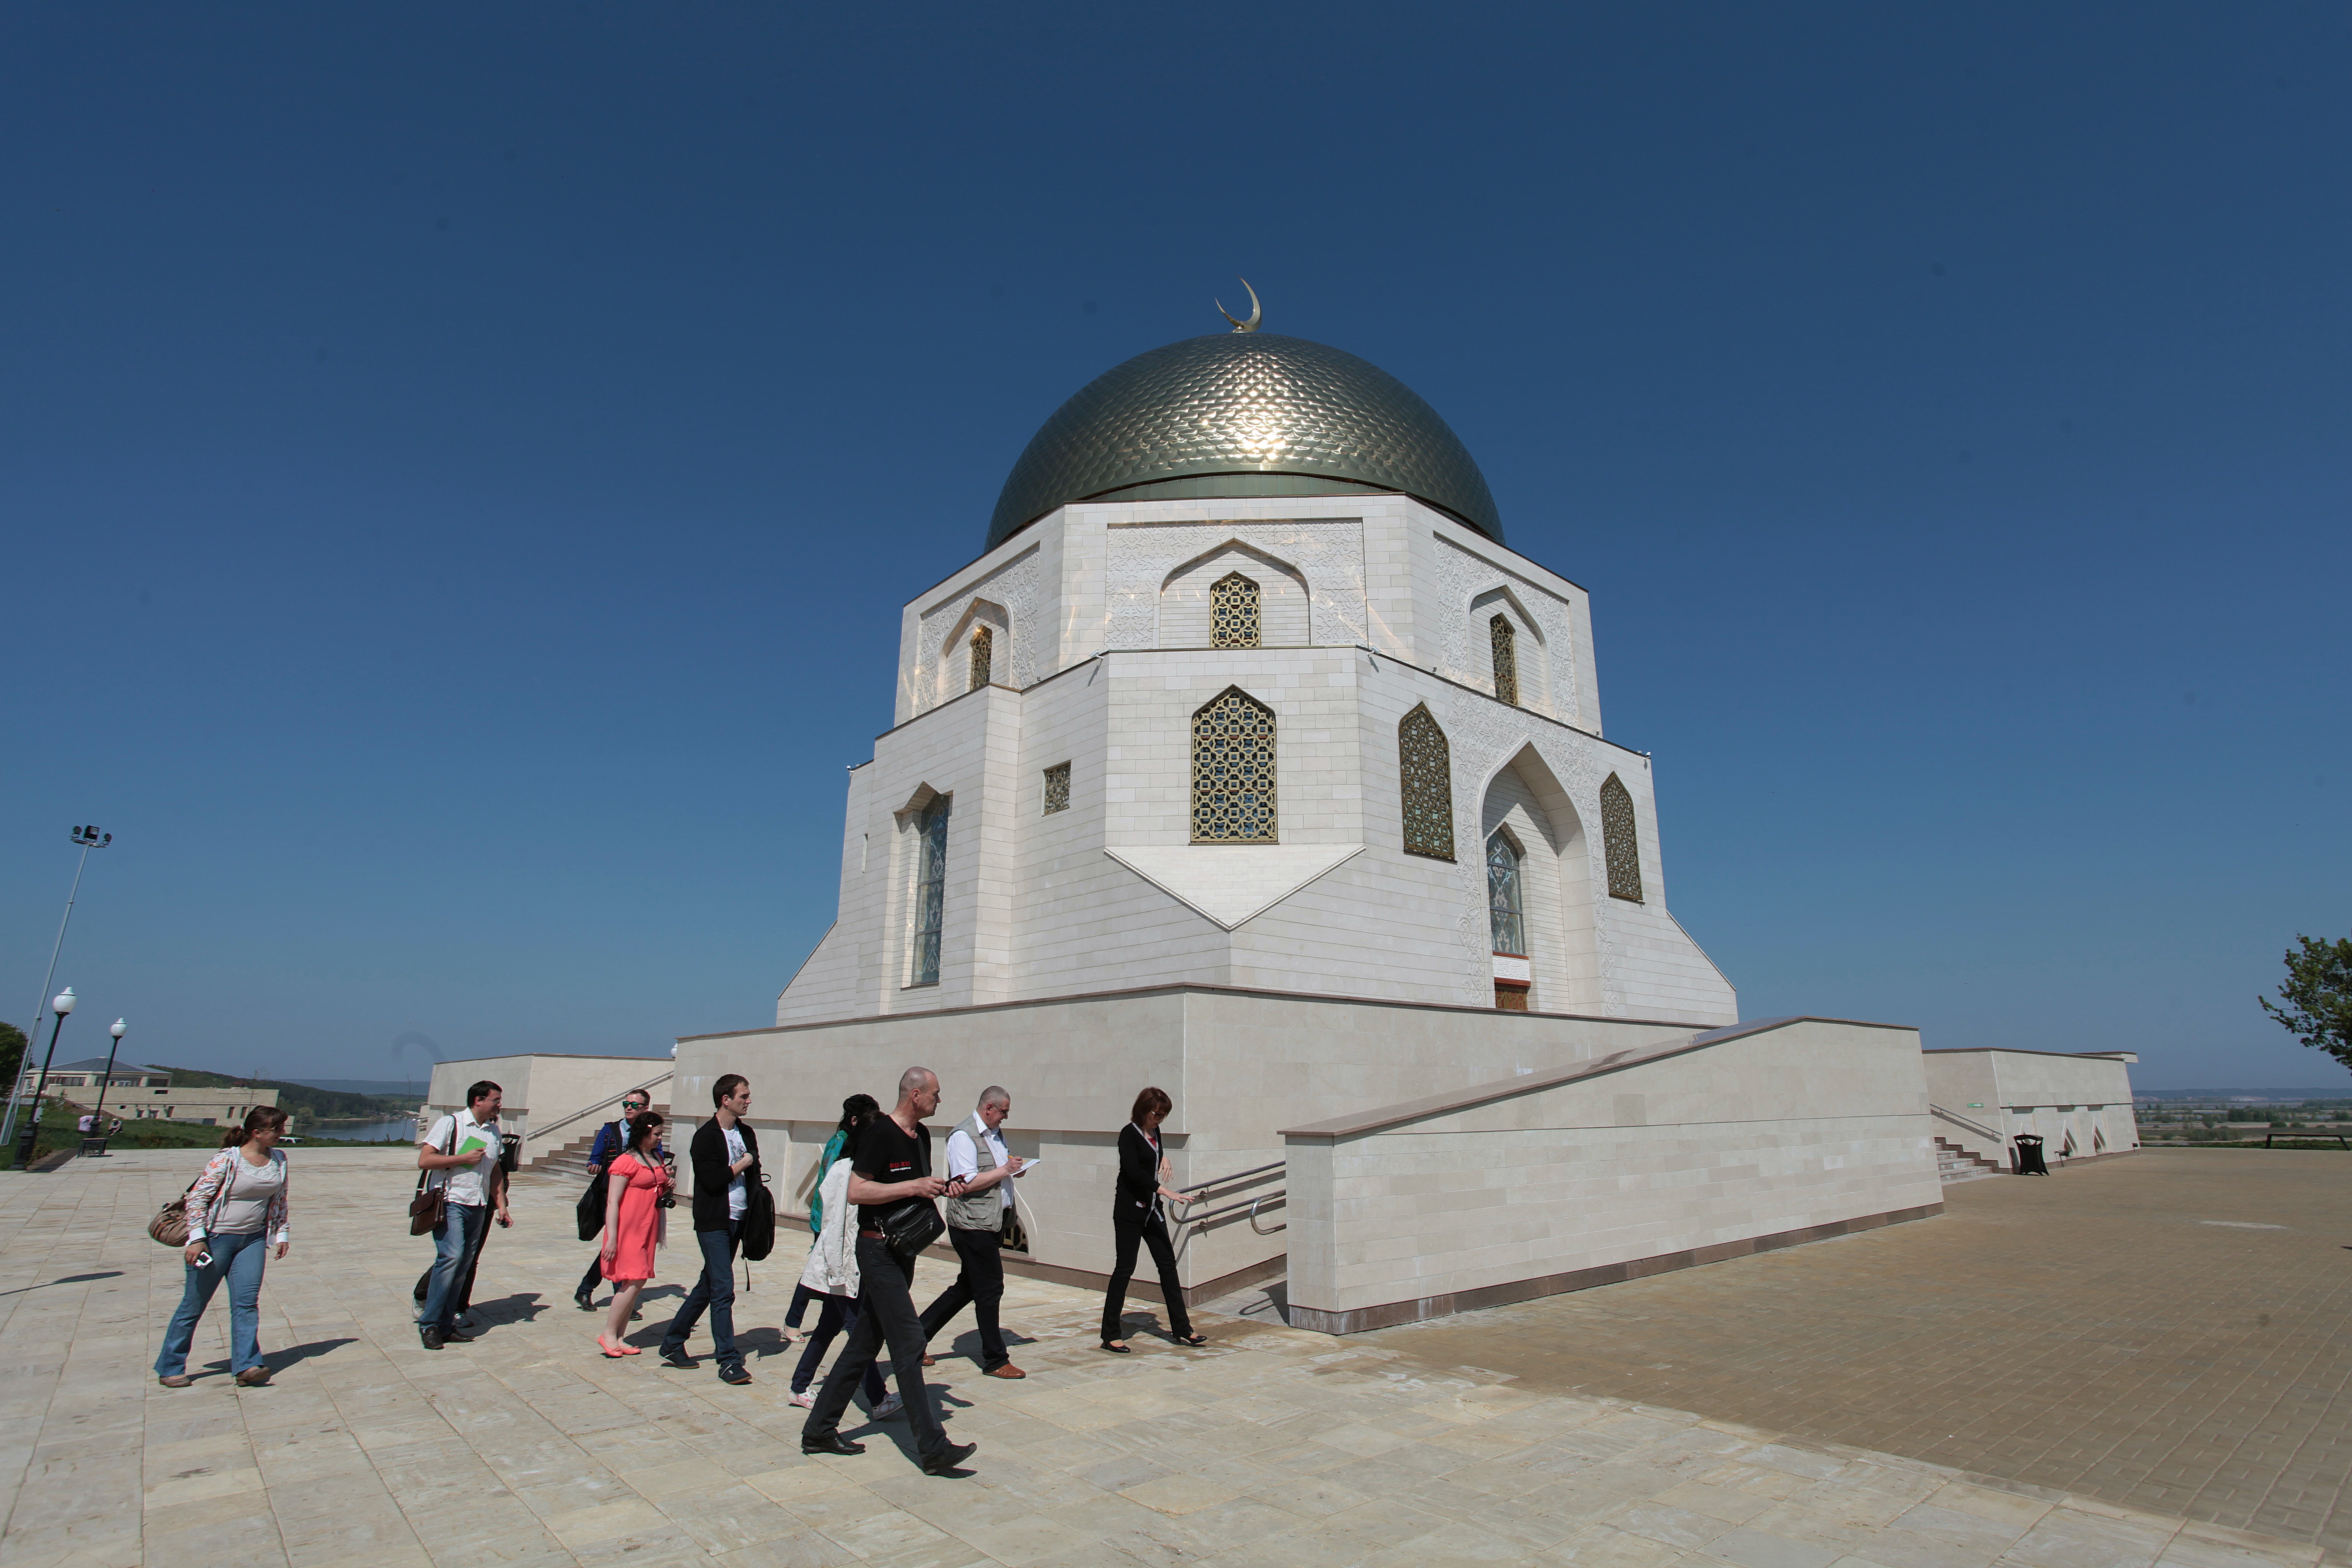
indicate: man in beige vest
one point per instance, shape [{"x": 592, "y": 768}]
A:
[{"x": 976, "y": 1214}]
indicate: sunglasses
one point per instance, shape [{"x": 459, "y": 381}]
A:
[{"x": 633, "y": 1105}]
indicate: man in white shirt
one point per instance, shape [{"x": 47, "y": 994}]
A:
[
  {"x": 474, "y": 1184},
  {"x": 980, "y": 1203}
]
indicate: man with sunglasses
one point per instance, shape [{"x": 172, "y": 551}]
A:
[{"x": 611, "y": 1139}]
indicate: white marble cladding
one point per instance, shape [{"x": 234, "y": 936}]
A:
[
  {"x": 1808, "y": 1124},
  {"x": 1040, "y": 906},
  {"x": 1382, "y": 572},
  {"x": 1240, "y": 1067},
  {"x": 1370, "y": 605}
]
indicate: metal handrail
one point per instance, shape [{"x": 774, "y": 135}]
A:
[
  {"x": 1237, "y": 1205},
  {"x": 1269, "y": 1198},
  {"x": 1957, "y": 1119},
  {"x": 1238, "y": 1176},
  {"x": 608, "y": 1099}
]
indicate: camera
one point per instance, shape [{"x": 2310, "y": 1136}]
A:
[{"x": 668, "y": 1200}]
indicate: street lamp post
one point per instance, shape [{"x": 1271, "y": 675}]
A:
[
  {"x": 62, "y": 1005},
  {"x": 89, "y": 839},
  {"x": 97, "y": 1112}
]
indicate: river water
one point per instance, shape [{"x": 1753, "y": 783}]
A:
[{"x": 404, "y": 1130}]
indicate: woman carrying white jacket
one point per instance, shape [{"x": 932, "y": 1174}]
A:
[{"x": 831, "y": 1277}]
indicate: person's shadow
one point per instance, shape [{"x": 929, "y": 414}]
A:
[
  {"x": 522, "y": 1306},
  {"x": 290, "y": 1357}
]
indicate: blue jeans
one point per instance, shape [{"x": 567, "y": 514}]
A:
[
  {"x": 716, "y": 1290},
  {"x": 455, "y": 1241},
  {"x": 834, "y": 1314},
  {"x": 239, "y": 1259}
]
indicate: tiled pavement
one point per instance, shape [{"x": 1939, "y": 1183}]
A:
[
  {"x": 1272, "y": 1447},
  {"x": 2167, "y": 1332}
]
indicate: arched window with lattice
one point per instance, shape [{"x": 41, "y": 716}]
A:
[
  {"x": 1426, "y": 783},
  {"x": 1620, "y": 844},
  {"x": 1233, "y": 771},
  {"x": 931, "y": 891},
  {"x": 1504, "y": 639},
  {"x": 1506, "y": 915},
  {"x": 1232, "y": 612},
  {"x": 983, "y": 655}
]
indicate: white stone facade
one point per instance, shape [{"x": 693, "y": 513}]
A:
[
  {"x": 1660, "y": 1156},
  {"x": 2079, "y": 1104},
  {"x": 1098, "y": 622}
]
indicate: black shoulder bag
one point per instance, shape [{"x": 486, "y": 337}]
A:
[
  {"x": 911, "y": 1224},
  {"x": 590, "y": 1211}
]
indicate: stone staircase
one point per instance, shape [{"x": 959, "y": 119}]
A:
[
  {"x": 570, "y": 1163},
  {"x": 1954, "y": 1163}
]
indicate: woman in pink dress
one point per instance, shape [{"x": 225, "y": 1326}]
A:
[{"x": 636, "y": 1185}]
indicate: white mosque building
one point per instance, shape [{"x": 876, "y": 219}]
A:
[
  {"x": 1247, "y": 759},
  {"x": 1247, "y": 690}
]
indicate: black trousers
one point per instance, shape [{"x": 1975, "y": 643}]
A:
[
  {"x": 1131, "y": 1233},
  {"x": 885, "y": 1315},
  {"x": 980, "y": 1286},
  {"x": 594, "y": 1280}
]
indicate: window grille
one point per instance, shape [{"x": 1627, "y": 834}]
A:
[
  {"x": 930, "y": 892},
  {"x": 1233, "y": 771},
  {"x": 1426, "y": 783},
  {"x": 984, "y": 654},
  {"x": 1232, "y": 612},
  {"x": 1505, "y": 638},
  {"x": 1058, "y": 788},
  {"x": 1505, "y": 917},
  {"x": 1619, "y": 843}
]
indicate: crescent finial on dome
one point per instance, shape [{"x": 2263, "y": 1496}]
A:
[{"x": 1256, "y": 313}]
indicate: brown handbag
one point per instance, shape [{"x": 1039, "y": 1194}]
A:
[
  {"x": 170, "y": 1225},
  {"x": 426, "y": 1209}
]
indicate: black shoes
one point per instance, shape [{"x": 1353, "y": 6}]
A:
[
  {"x": 431, "y": 1338},
  {"x": 735, "y": 1374},
  {"x": 945, "y": 1461},
  {"x": 834, "y": 1442},
  {"x": 678, "y": 1359},
  {"x": 583, "y": 1302},
  {"x": 456, "y": 1337}
]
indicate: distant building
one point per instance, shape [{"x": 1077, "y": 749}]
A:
[
  {"x": 138, "y": 1093},
  {"x": 86, "y": 1075}
]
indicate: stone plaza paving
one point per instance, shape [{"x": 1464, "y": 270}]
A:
[{"x": 2098, "y": 1350}]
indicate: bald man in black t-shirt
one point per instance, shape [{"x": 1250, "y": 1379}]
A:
[{"x": 889, "y": 1167}]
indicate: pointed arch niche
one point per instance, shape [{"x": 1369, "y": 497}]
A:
[
  {"x": 1504, "y": 630},
  {"x": 1189, "y": 599},
  {"x": 1526, "y": 801},
  {"x": 922, "y": 854},
  {"x": 978, "y": 651}
]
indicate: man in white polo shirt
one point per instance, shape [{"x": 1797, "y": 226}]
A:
[
  {"x": 475, "y": 1185},
  {"x": 976, "y": 1215}
]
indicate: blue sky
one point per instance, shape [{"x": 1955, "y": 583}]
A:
[{"x": 459, "y": 472}]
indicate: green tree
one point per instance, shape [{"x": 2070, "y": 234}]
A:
[
  {"x": 2318, "y": 996},
  {"x": 11, "y": 1053}
]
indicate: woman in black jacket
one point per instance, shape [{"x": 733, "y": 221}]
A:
[{"x": 1136, "y": 1217}]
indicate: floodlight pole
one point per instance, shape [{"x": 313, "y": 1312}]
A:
[{"x": 89, "y": 839}]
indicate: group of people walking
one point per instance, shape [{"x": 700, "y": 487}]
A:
[{"x": 877, "y": 1204}]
